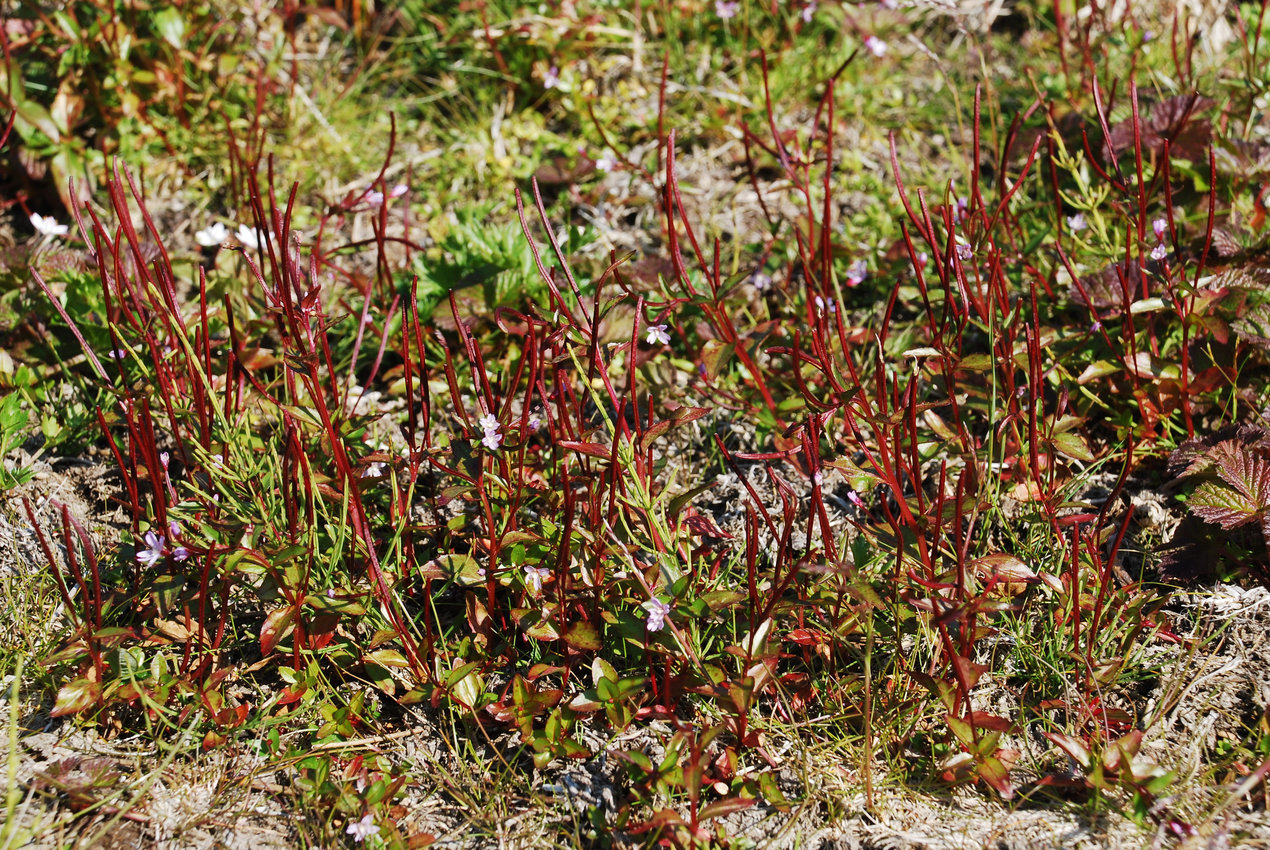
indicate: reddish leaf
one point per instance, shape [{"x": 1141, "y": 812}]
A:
[
  {"x": 583, "y": 635},
  {"x": 75, "y": 696},
  {"x": 275, "y": 627},
  {"x": 726, "y": 806},
  {"x": 593, "y": 449}
]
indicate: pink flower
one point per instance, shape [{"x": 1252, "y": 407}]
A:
[
  {"x": 726, "y": 9},
  {"x": 1159, "y": 226},
  {"x": 154, "y": 551},
  {"x": 808, "y": 11},
  {"x": 1076, "y": 223},
  {"x": 363, "y": 829},
  {"x": 857, "y": 273},
  {"x": 493, "y": 437},
  {"x": 657, "y": 612},
  {"x": 551, "y": 79},
  {"x": 1159, "y": 252},
  {"x": 535, "y": 576},
  {"x": 875, "y": 45},
  {"x": 657, "y": 335}
]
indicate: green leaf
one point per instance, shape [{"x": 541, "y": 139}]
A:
[
  {"x": 170, "y": 26},
  {"x": 583, "y": 635}
]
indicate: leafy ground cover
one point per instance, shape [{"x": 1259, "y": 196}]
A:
[{"x": 694, "y": 424}]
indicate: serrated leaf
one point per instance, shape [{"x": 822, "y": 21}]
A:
[{"x": 1242, "y": 494}]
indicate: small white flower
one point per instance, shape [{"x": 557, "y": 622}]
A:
[
  {"x": 153, "y": 553},
  {"x": 605, "y": 163},
  {"x": 657, "y": 612},
  {"x": 551, "y": 79},
  {"x": 165, "y": 459},
  {"x": 250, "y": 237},
  {"x": 363, "y": 829},
  {"x": 492, "y": 440},
  {"x": 1159, "y": 226},
  {"x": 535, "y": 576},
  {"x": 1076, "y": 223},
  {"x": 375, "y": 199},
  {"x": 1159, "y": 252},
  {"x": 212, "y": 235},
  {"x": 761, "y": 281},
  {"x": 875, "y": 45},
  {"x": 48, "y": 226},
  {"x": 218, "y": 461},
  {"x": 857, "y": 273},
  {"x": 825, "y": 305},
  {"x": 374, "y": 470},
  {"x": 726, "y": 9},
  {"x": 808, "y": 11},
  {"x": 922, "y": 260},
  {"x": 657, "y": 335},
  {"x": 398, "y": 190}
]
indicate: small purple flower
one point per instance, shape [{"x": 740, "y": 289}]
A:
[
  {"x": 857, "y": 273},
  {"x": 1095, "y": 327},
  {"x": 854, "y": 498},
  {"x": 534, "y": 423},
  {"x": 165, "y": 459},
  {"x": 727, "y": 9},
  {"x": 964, "y": 251},
  {"x": 825, "y": 304},
  {"x": 922, "y": 260},
  {"x": 493, "y": 438},
  {"x": 363, "y": 829},
  {"x": 535, "y": 576},
  {"x": 153, "y": 553},
  {"x": 1076, "y": 223},
  {"x": 551, "y": 79},
  {"x": 761, "y": 281},
  {"x": 375, "y": 199},
  {"x": 808, "y": 11},
  {"x": 399, "y": 190},
  {"x": 876, "y": 46},
  {"x": 657, "y": 612},
  {"x": 1159, "y": 226},
  {"x": 1159, "y": 252},
  {"x": 656, "y": 335},
  {"x": 605, "y": 163}
]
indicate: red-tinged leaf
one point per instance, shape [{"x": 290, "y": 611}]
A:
[
  {"x": 968, "y": 670},
  {"x": 1073, "y": 747},
  {"x": 724, "y": 807},
  {"x": 703, "y": 526},
  {"x": 992, "y": 771},
  {"x": 983, "y": 720},
  {"x": 1004, "y": 567},
  {"x": 583, "y": 635},
  {"x": 806, "y": 637},
  {"x": 75, "y": 696},
  {"x": 593, "y": 449},
  {"x": 1215, "y": 503},
  {"x": 1073, "y": 445},
  {"x": 276, "y": 626},
  {"x": 652, "y": 432},
  {"x": 684, "y": 415},
  {"x": 715, "y": 355}
]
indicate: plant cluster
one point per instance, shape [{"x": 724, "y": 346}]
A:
[{"x": 370, "y": 480}]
